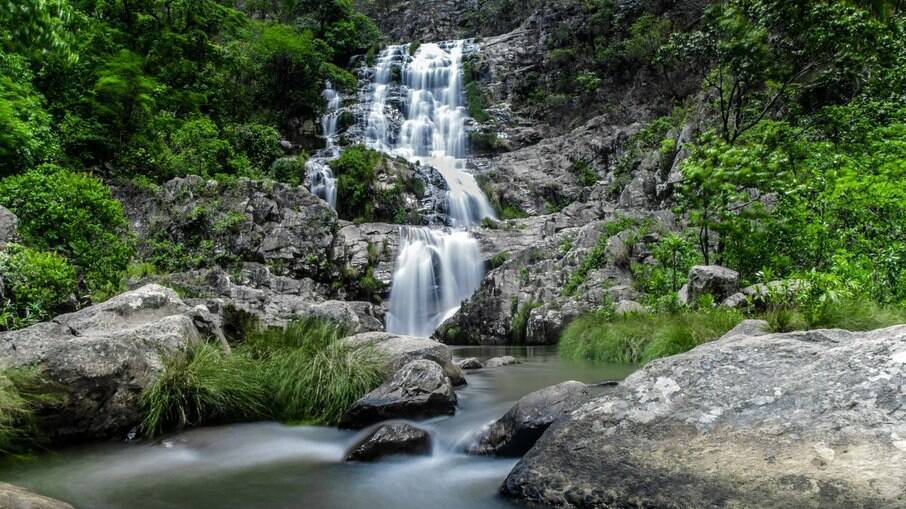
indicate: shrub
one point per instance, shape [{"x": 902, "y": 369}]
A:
[
  {"x": 74, "y": 215},
  {"x": 199, "y": 149},
  {"x": 642, "y": 337},
  {"x": 37, "y": 283},
  {"x": 260, "y": 143},
  {"x": 289, "y": 169},
  {"x": 355, "y": 171}
]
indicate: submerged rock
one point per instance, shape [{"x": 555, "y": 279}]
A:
[
  {"x": 390, "y": 439},
  {"x": 470, "y": 363},
  {"x": 103, "y": 357},
  {"x": 398, "y": 351},
  {"x": 419, "y": 389},
  {"x": 518, "y": 430},
  {"x": 14, "y": 497},
  {"x": 497, "y": 362},
  {"x": 811, "y": 419}
]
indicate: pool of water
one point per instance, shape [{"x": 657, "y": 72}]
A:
[{"x": 273, "y": 466}]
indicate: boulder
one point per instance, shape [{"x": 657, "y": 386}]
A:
[
  {"x": 14, "y": 497},
  {"x": 628, "y": 306},
  {"x": 496, "y": 362},
  {"x": 811, "y": 419},
  {"x": 714, "y": 280},
  {"x": 398, "y": 351},
  {"x": 518, "y": 430},
  {"x": 103, "y": 357},
  {"x": 420, "y": 389},
  {"x": 390, "y": 439},
  {"x": 9, "y": 226},
  {"x": 470, "y": 363}
]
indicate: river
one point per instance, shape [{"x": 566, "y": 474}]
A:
[{"x": 268, "y": 465}]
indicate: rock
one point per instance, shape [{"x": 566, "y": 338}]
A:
[
  {"x": 103, "y": 357},
  {"x": 518, "y": 430},
  {"x": 401, "y": 350},
  {"x": 749, "y": 328},
  {"x": 9, "y": 226},
  {"x": 420, "y": 389},
  {"x": 470, "y": 363},
  {"x": 812, "y": 419},
  {"x": 736, "y": 300},
  {"x": 715, "y": 280},
  {"x": 389, "y": 439},
  {"x": 14, "y": 497},
  {"x": 497, "y": 362},
  {"x": 628, "y": 306}
]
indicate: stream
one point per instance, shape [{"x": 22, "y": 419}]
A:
[{"x": 274, "y": 466}]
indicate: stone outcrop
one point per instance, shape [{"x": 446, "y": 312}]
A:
[
  {"x": 285, "y": 227},
  {"x": 391, "y": 439},
  {"x": 470, "y": 363},
  {"x": 719, "y": 282},
  {"x": 14, "y": 497},
  {"x": 9, "y": 226},
  {"x": 811, "y": 419},
  {"x": 518, "y": 430},
  {"x": 102, "y": 357},
  {"x": 496, "y": 362},
  {"x": 397, "y": 351},
  {"x": 420, "y": 389}
]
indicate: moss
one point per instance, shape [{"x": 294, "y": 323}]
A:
[
  {"x": 498, "y": 260},
  {"x": 476, "y": 102},
  {"x": 519, "y": 325}
]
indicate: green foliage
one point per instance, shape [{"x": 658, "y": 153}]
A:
[
  {"x": 36, "y": 284},
  {"x": 520, "y": 321},
  {"x": 260, "y": 143},
  {"x": 475, "y": 102},
  {"x": 642, "y": 337},
  {"x": 675, "y": 255},
  {"x": 75, "y": 216},
  {"x": 356, "y": 191},
  {"x": 20, "y": 389},
  {"x": 199, "y": 149},
  {"x": 204, "y": 385},
  {"x": 26, "y": 129},
  {"x": 584, "y": 172},
  {"x": 302, "y": 373},
  {"x": 289, "y": 169},
  {"x": 597, "y": 257}
]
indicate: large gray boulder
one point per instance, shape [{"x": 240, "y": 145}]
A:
[
  {"x": 103, "y": 357},
  {"x": 397, "y": 351},
  {"x": 518, "y": 430},
  {"x": 504, "y": 360},
  {"x": 14, "y": 497},
  {"x": 806, "y": 419},
  {"x": 419, "y": 389},
  {"x": 720, "y": 282},
  {"x": 391, "y": 439}
]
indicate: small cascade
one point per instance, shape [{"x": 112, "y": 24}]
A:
[
  {"x": 414, "y": 107},
  {"x": 322, "y": 181}
]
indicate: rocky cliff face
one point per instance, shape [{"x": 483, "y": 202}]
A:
[{"x": 805, "y": 419}]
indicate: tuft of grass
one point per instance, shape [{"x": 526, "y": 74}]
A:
[
  {"x": 20, "y": 390},
  {"x": 853, "y": 314},
  {"x": 301, "y": 373},
  {"x": 642, "y": 337},
  {"x": 204, "y": 385}
]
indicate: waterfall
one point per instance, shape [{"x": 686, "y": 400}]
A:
[
  {"x": 322, "y": 181},
  {"x": 415, "y": 109}
]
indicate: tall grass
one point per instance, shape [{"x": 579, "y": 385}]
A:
[
  {"x": 853, "y": 314},
  {"x": 20, "y": 391},
  {"x": 641, "y": 337},
  {"x": 301, "y": 373}
]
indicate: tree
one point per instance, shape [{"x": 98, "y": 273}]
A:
[{"x": 124, "y": 94}]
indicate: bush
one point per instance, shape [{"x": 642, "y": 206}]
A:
[
  {"x": 260, "y": 143},
  {"x": 642, "y": 337},
  {"x": 355, "y": 172},
  {"x": 37, "y": 283},
  {"x": 289, "y": 169},
  {"x": 199, "y": 149},
  {"x": 301, "y": 373},
  {"x": 74, "y": 215}
]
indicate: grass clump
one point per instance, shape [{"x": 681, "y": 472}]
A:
[
  {"x": 301, "y": 373},
  {"x": 636, "y": 338},
  {"x": 20, "y": 391}
]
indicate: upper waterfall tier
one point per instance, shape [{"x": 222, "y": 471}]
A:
[{"x": 415, "y": 109}]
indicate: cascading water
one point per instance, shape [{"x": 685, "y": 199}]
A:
[
  {"x": 323, "y": 182},
  {"x": 436, "y": 269}
]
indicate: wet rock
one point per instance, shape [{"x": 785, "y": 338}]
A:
[
  {"x": 628, "y": 306},
  {"x": 391, "y": 439},
  {"x": 420, "y": 389},
  {"x": 397, "y": 351},
  {"x": 738, "y": 422},
  {"x": 497, "y": 362},
  {"x": 470, "y": 363},
  {"x": 518, "y": 430},
  {"x": 14, "y": 497},
  {"x": 102, "y": 358}
]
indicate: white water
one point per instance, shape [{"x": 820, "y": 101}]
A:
[
  {"x": 323, "y": 182},
  {"x": 436, "y": 269}
]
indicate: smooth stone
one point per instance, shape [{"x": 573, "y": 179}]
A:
[
  {"x": 497, "y": 362},
  {"x": 391, "y": 439}
]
